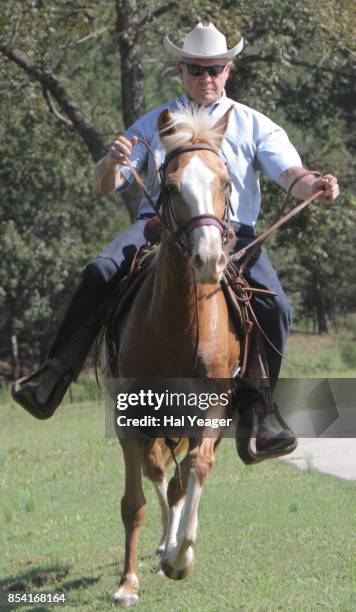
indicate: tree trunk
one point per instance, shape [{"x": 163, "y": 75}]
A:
[
  {"x": 132, "y": 75},
  {"x": 319, "y": 304},
  {"x": 320, "y": 313},
  {"x": 15, "y": 361}
]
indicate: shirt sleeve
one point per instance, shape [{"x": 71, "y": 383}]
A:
[
  {"x": 274, "y": 153},
  {"x": 139, "y": 154}
]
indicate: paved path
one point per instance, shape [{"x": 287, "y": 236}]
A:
[
  {"x": 335, "y": 456},
  {"x": 323, "y": 415}
]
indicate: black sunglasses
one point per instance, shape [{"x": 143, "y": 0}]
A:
[{"x": 197, "y": 70}]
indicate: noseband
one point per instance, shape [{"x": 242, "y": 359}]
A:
[{"x": 180, "y": 232}]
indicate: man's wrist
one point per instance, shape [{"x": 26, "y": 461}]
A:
[{"x": 304, "y": 181}]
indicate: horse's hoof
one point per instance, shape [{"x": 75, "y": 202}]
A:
[
  {"x": 124, "y": 600},
  {"x": 176, "y": 574}
]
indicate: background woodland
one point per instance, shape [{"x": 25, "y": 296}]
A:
[{"x": 75, "y": 73}]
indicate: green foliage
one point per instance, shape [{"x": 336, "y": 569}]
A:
[
  {"x": 50, "y": 223},
  {"x": 311, "y": 355},
  {"x": 348, "y": 353},
  {"x": 348, "y": 346}
]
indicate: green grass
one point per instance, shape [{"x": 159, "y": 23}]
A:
[
  {"x": 271, "y": 537},
  {"x": 315, "y": 356}
]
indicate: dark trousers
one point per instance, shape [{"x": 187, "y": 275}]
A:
[
  {"x": 102, "y": 274},
  {"x": 272, "y": 313}
]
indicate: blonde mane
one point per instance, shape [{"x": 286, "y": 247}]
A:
[{"x": 191, "y": 124}]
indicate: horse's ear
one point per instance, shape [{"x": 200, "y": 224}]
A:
[
  {"x": 221, "y": 125},
  {"x": 165, "y": 123}
]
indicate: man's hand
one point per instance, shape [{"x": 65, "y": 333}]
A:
[
  {"x": 107, "y": 172},
  {"x": 307, "y": 184},
  {"x": 330, "y": 186},
  {"x": 122, "y": 147}
]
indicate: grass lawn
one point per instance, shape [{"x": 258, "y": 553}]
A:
[
  {"x": 271, "y": 537},
  {"x": 315, "y": 356}
]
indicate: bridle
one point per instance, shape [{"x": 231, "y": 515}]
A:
[
  {"x": 179, "y": 232},
  {"x": 164, "y": 207}
]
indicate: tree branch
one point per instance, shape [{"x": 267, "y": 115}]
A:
[
  {"x": 53, "y": 109},
  {"x": 156, "y": 13},
  {"x": 16, "y": 28},
  {"x": 49, "y": 82},
  {"x": 92, "y": 34},
  {"x": 249, "y": 59},
  {"x": 313, "y": 66}
]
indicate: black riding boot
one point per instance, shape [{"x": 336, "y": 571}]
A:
[
  {"x": 42, "y": 391},
  {"x": 261, "y": 432}
]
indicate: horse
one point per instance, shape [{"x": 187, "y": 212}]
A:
[{"x": 179, "y": 327}]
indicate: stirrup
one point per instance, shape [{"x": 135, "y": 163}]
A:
[
  {"x": 25, "y": 379},
  {"x": 246, "y": 434},
  {"x": 25, "y": 394}
]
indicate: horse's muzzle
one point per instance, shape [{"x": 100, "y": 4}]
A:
[{"x": 208, "y": 268}]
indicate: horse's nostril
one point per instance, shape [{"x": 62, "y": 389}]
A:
[{"x": 221, "y": 263}]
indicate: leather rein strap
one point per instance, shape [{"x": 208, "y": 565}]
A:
[
  {"x": 177, "y": 232},
  {"x": 237, "y": 278},
  {"x": 211, "y": 219},
  {"x": 281, "y": 219}
]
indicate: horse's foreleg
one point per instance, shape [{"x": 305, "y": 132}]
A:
[
  {"x": 178, "y": 558},
  {"x": 176, "y": 497},
  {"x": 154, "y": 468},
  {"x": 133, "y": 510}
]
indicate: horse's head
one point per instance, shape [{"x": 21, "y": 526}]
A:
[{"x": 195, "y": 188}]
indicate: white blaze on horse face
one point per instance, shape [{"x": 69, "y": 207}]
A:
[{"x": 208, "y": 258}]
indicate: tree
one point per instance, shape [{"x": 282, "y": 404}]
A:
[
  {"x": 76, "y": 74},
  {"x": 46, "y": 225}
]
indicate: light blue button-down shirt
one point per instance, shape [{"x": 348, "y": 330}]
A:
[{"x": 253, "y": 145}]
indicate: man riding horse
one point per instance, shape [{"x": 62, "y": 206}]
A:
[{"x": 253, "y": 144}]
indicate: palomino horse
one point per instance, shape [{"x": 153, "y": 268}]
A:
[{"x": 178, "y": 327}]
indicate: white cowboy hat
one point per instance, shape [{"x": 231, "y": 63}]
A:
[{"x": 204, "y": 42}]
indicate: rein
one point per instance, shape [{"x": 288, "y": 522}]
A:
[
  {"x": 199, "y": 220},
  {"x": 281, "y": 220},
  {"x": 179, "y": 233},
  {"x": 236, "y": 275}
]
